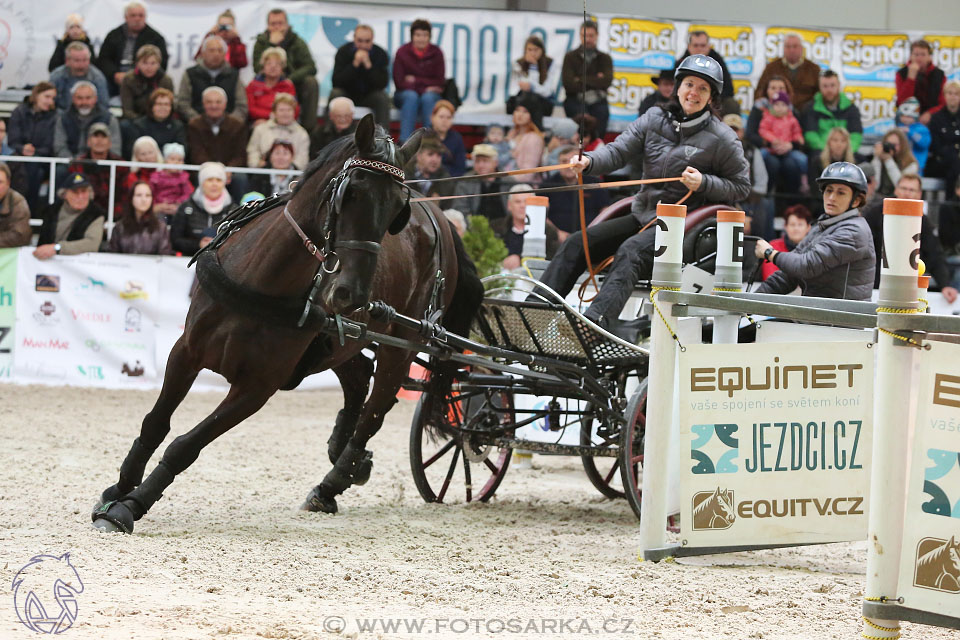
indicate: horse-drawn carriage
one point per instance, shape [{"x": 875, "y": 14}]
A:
[{"x": 375, "y": 278}]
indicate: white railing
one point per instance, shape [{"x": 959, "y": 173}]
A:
[{"x": 113, "y": 164}]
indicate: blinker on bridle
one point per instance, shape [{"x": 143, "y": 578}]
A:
[{"x": 337, "y": 190}]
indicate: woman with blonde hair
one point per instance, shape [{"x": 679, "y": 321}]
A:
[
  {"x": 892, "y": 158},
  {"x": 269, "y": 83},
  {"x": 837, "y": 148},
  {"x": 145, "y": 149},
  {"x": 282, "y": 125},
  {"x": 73, "y": 31}
]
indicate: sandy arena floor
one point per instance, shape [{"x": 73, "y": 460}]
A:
[{"x": 227, "y": 554}]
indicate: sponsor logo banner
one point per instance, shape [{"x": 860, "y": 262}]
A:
[
  {"x": 736, "y": 43},
  {"x": 817, "y": 45},
  {"x": 873, "y": 57},
  {"x": 642, "y": 44},
  {"x": 775, "y": 442},
  {"x": 930, "y": 555},
  {"x": 946, "y": 54},
  {"x": 877, "y": 104},
  {"x": 8, "y": 309},
  {"x": 628, "y": 90}
]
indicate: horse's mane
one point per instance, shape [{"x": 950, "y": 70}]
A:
[
  {"x": 937, "y": 554},
  {"x": 330, "y": 159},
  {"x": 703, "y": 506}
]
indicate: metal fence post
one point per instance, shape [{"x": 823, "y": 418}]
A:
[
  {"x": 891, "y": 409},
  {"x": 729, "y": 271},
  {"x": 667, "y": 261}
]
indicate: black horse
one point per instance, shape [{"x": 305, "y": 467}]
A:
[{"x": 245, "y": 321}]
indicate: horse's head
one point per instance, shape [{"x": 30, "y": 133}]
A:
[
  {"x": 725, "y": 504},
  {"x": 366, "y": 199},
  {"x": 953, "y": 557}
]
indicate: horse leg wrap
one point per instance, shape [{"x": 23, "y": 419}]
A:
[
  {"x": 345, "y": 471},
  {"x": 131, "y": 471},
  {"x": 150, "y": 490},
  {"x": 342, "y": 430}
]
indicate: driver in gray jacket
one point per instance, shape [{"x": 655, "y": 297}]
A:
[
  {"x": 837, "y": 258},
  {"x": 683, "y": 138}
]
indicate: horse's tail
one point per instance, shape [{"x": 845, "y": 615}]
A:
[{"x": 457, "y": 318}]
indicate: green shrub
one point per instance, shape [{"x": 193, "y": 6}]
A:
[{"x": 483, "y": 246}]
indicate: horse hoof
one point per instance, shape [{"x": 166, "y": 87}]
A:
[
  {"x": 363, "y": 471},
  {"x": 319, "y": 504},
  {"x": 113, "y": 516},
  {"x": 110, "y": 494}
]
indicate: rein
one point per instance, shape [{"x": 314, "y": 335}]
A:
[{"x": 573, "y": 187}]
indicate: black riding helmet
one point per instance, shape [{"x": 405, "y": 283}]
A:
[
  {"x": 703, "y": 67},
  {"x": 844, "y": 173}
]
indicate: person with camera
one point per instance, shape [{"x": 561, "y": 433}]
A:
[
  {"x": 892, "y": 158},
  {"x": 836, "y": 258},
  {"x": 226, "y": 28}
]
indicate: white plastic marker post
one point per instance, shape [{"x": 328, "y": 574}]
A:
[
  {"x": 667, "y": 263},
  {"x": 891, "y": 409},
  {"x": 729, "y": 271},
  {"x": 535, "y": 239}
]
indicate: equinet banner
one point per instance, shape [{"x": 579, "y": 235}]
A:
[{"x": 774, "y": 444}]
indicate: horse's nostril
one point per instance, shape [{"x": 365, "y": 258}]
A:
[{"x": 341, "y": 294}]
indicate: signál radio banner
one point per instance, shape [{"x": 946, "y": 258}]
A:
[
  {"x": 774, "y": 443},
  {"x": 930, "y": 554}
]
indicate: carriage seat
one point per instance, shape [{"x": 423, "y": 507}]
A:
[{"x": 696, "y": 219}]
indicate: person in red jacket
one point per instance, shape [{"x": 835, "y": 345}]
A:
[
  {"x": 419, "y": 74},
  {"x": 921, "y": 79},
  {"x": 226, "y": 28},
  {"x": 797, "y": 226},
  {"x": 263, "y": 89}
]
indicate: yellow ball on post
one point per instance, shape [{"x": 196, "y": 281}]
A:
[{"x": 921, "y": 268}]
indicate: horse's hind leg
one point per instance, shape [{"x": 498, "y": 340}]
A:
[
  {"x": 354, "y": 464},
  {"x": 242, "y": 401},
  {"x": 354, "y": 376},
  {"x": 179, "y": 376}
]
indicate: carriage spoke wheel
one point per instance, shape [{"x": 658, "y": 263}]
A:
[
  {"x": 603, "y": 473},
  {"x": 631, "y": 447},
  {"x": 451, "y": 466}
]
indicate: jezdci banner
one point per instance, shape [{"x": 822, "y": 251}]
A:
[
  {"x": 774, "y": 442},
  {"x": 930, "y": 554}
]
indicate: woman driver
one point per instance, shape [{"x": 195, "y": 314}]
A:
[{"x": 683, "y": 138}]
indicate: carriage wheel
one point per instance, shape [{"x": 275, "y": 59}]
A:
[
  {"x": 442, "y": 463},
  {"x": 631, "y": 447},
  {"x": 602, "y": 472}
]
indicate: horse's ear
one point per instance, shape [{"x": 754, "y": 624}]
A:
[
  {"x": 364, "y": 136},
  {"x": 401, "y": 220},
  {"x": 410, "y": 147}
]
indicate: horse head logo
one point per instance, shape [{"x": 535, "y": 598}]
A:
[
  {"x": 938, "y": 564},
  {"x": 45, "y": 593},
  {"x": 713, "y": 509}
]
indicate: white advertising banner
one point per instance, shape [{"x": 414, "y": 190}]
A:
[
  {"x": 97, "y": 319},
  {"x": 774, "y": 443},
  {"x": 930, "y": 555},
  {"x": 480, "y": 46}
]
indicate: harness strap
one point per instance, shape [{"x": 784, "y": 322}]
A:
[
  {"x": 573, "y": 187},
  {"x": 312, "y": 249}
]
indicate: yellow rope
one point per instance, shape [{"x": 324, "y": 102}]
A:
[
  {"x": 910, "y": 341},
  {"x": 653, "y": 294},
  {"x": 735, "y": 290},
  {"x": 869, "y": 623},
  {"x": 864, "y": 634}
]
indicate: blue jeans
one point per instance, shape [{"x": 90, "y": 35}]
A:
[
  {"x": 412, "y": 104},
  {"x": 572, "y": 106},
  {"x": 785, "y": 171}
]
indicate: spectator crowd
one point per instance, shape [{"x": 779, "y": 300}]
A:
[{"x": 119, "y": 103}]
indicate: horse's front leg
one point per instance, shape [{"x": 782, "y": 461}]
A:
[
  {"x": 355, "y": 462},
  {"x": 354, "y": 376}
]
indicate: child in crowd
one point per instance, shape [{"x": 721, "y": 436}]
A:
[
  {"x": 496, "y": 138},
  {"x": 908, "y": 119},
  {"x": 170, "y": 186},
  {"x": 781, "y": 131}
]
